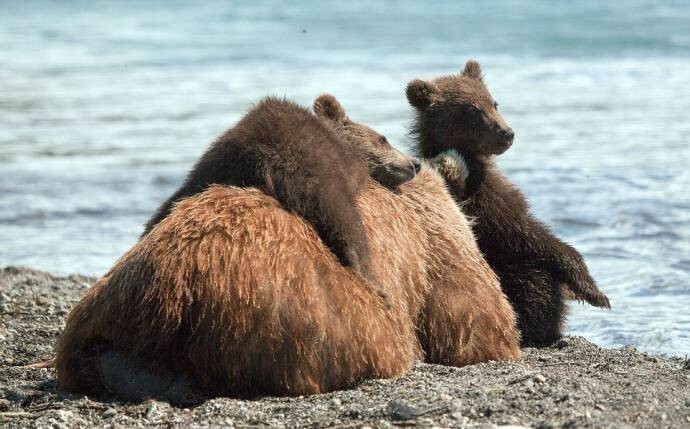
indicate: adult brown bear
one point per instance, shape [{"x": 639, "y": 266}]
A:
[
  {"x": 457, "y": 123},
  {"x": 230, "y": 294}
]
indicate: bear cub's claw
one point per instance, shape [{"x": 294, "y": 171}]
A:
[{"x": 590, "y": 293}]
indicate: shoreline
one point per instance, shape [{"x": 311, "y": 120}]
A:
[{"x": 572, "y": 383}]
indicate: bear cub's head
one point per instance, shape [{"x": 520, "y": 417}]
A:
[
  {"x": 387, "y": 165},
  {"x": 458, "y": 112}
]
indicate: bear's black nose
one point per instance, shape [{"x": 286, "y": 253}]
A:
[
  {"x": 417, "y": 164},
  {"x": 508, "y": 134}
]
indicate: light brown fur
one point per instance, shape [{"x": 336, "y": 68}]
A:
[{"x": 241, "y": 297}]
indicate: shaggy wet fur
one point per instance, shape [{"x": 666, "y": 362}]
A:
[
  {"x": 232, "y": 295},
  {"x": 239, "y": 297},
  {"x": 288, "y": 153},
  {"x": 458, "y": 123}
]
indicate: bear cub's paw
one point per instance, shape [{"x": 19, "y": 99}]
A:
[
  {"x": 452, "y": 166},
  {"x": 588, "y": 291}
]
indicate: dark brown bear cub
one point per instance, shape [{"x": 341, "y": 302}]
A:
[
  {"x": 536, "y": 269},
  {"x": 293, "y": 156}
]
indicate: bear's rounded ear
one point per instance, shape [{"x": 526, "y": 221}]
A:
[
  {"x": 327, "y": 106},
  {"x": 421, "y": 94},
  {"x": 473, "y": 70}
]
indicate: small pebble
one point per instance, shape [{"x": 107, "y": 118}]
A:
[
  {"x": 110, "y": 412},
  {"x": 151, "y": 410},
  {"x": 4, "y": 405},
  {"x": 562, "y": 343},
  {"x": 539, "y": 378},
  {"x": 456, "y": 404},
  {"x": 399, "y": 410},
  {"x": 512, "y": 427}
]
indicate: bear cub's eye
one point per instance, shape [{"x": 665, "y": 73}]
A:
[
  {"x": 495, "y": 105},
  {"x": 383, "y": 140}
]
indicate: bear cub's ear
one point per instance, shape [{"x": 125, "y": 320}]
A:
[
  {"x": 327, "y": 106},
  {"x": 421, "y": 94},
  {"x": 473, "y": 70}
]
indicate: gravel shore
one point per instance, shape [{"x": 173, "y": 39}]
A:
[{"x": 573, "y": 383}]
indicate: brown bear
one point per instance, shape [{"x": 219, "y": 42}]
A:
[
  {"x": 457, "y": 123},
  {"x": 288, "y": 153},
  {"x": 230, "y": 294}
]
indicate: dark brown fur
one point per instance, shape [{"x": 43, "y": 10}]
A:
[
  {"x": 236, "y": 296},
  {"x": 457, "y": 113},
  {"x": 288, "y": 153}
]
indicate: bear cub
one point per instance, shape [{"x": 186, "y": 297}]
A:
[
  {"x": 292, "y": 155},
  {"x": 457, "y": 124}
]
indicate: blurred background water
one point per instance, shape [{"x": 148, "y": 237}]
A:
[{"x": 105, "y": 105}]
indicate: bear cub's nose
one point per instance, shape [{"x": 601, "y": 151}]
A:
[
  {"x": 417, "y": 164},
  {"x": 508, "y": 134}
]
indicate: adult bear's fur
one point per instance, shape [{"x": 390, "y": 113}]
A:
[
  {"x": 536, "y": 269},
  {"x": 288, "y": 153},
  {"x": 240, "y": 297}
]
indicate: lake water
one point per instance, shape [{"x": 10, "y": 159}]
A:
[{"x": 104, "y": 106}]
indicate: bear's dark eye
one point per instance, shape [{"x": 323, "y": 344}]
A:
[
  {"x": 383, "y": 140},
  {"x": 471, "y": 108},
  {"x": 495, "y": 105}
]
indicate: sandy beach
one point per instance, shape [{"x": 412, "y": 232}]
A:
[{"x": 572, "y": 383}]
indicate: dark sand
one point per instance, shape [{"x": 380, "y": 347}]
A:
[{"x": 573, "y": 383}]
